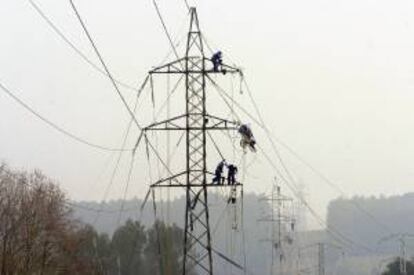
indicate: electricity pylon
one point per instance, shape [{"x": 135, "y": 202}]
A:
[
  {"x": 196, "y": 122},
  {"x": 280, "y": 219}
]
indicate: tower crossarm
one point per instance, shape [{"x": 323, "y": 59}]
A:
[
  {"x": 178, "y": 67},
  {"x": 177, "y": 181},
  {"x": 179, "y": 123}
]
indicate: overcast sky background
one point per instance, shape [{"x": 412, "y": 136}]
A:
[{"x": 333, "y": 79}]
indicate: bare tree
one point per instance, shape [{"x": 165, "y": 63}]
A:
[{"x": 37, "y": 232}]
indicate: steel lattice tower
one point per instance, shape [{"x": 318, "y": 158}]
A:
[{"x": 195, "y": 122}]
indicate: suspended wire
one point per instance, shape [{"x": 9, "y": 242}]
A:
[
  {"x": 324, "y": 178},
  {"x": 267, "y": 131},
  {"x": 121, "y": 210},
  {"x": 177, "y": 41},
  {"x": 133, "y": 118},
  {"x": 263, "y": 126},
  {"x": 243, "y": 235},
  {"x": 56, "y": 126},
  {"x": 215, "y": 146},
  {"x": 82, "y": 55},
  {"x": 187, "y": 5},
  {"x": 109, "y": 73},
  {"x": 164, "y": 26},
  {"x": 168, "y": 145},
  {"x": 99, "y": 176},
  {"x": 223, "y": 94},
  {"x": 131, "y": 113},
  {"x": 330, "y": 229},
  {"x": 154, "y": 207},
  {"x": 124, "y": 140},
  {"x": 157, "y": 231},
  {"x": 114, "y": 171},
  {"x": 104, "y": 64},
  {"x": 165, "y": 103},
  {"x": 318, "y": 173},
  {"x": 333, "y": 185},
  {"x": 291, "y": 187}
]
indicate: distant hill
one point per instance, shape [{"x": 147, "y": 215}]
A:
[{"x": 367, "y": 220}]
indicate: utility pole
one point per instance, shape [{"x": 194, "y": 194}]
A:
[
  {"x": 196, "y": 123},
  {"x": 278, "y": 217}
]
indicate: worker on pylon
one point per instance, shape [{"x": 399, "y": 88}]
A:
[
  {"x": 231, "y": 175},
  {"x": 217, "y": 60},
  {"x": 247, "y": 137},
  {"x": 218, "y": 174}
]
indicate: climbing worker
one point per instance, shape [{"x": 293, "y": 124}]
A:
[
  {"x": 231, "y": 175},
  {"x": 217, "y": 61},
  {"x": 247, "y": 137},
  {"x": 219, "y": 171}
]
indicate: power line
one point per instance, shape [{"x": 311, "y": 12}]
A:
[
  {"x": 104, "y": 64},
  {"x": 82, "y": 55},
  {"x": 187, "y": 5},
  {"x": 114, "y": 171},
  {"x": 329, "y": 229},
  {"x": 333, "y": 185},
  {"x": 291, "y": 187},
  {"x": 131, "y": 166},
  {"x": 267, "y": 131},
  {"x": 164, "y": 26},
  {"x": 56, "y": 126},
  {"x": 261, "y": 124}
]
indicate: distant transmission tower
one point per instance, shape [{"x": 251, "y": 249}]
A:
[
  {"x": 196, "y": 122},
  {"x": 278, "y": 220}
]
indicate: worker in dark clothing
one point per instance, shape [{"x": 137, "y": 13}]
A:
[
  {"x": 247, "y": 137},
  {"x": 231, "y": 176},
  {"x": 219, "y": 172},
  {"x": 217, "y": 60}
]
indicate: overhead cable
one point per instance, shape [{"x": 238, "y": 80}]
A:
[
  {"x": 291, "y": 187},
  {"x": 324, "y": 178},
  {"x": 329, "y": 229},
  {"x": 104, "y": 65},
  {"x": 164, "y": 26},
  {"x": 313, "y": 169},
  {"x": 56, "y": 126},
  {"x": 82, "y": 55}
]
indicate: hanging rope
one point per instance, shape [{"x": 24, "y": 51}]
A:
[
  {"x": 157, "y": 230},
  {"x": 131, "y": 167}
]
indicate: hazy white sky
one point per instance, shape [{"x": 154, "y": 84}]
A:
[{"x": 334, "y": 80}]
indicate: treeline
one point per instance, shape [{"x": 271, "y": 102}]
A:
[
  {"x": 134, "y": 250},
  {"x": 38, "y": 235}
]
